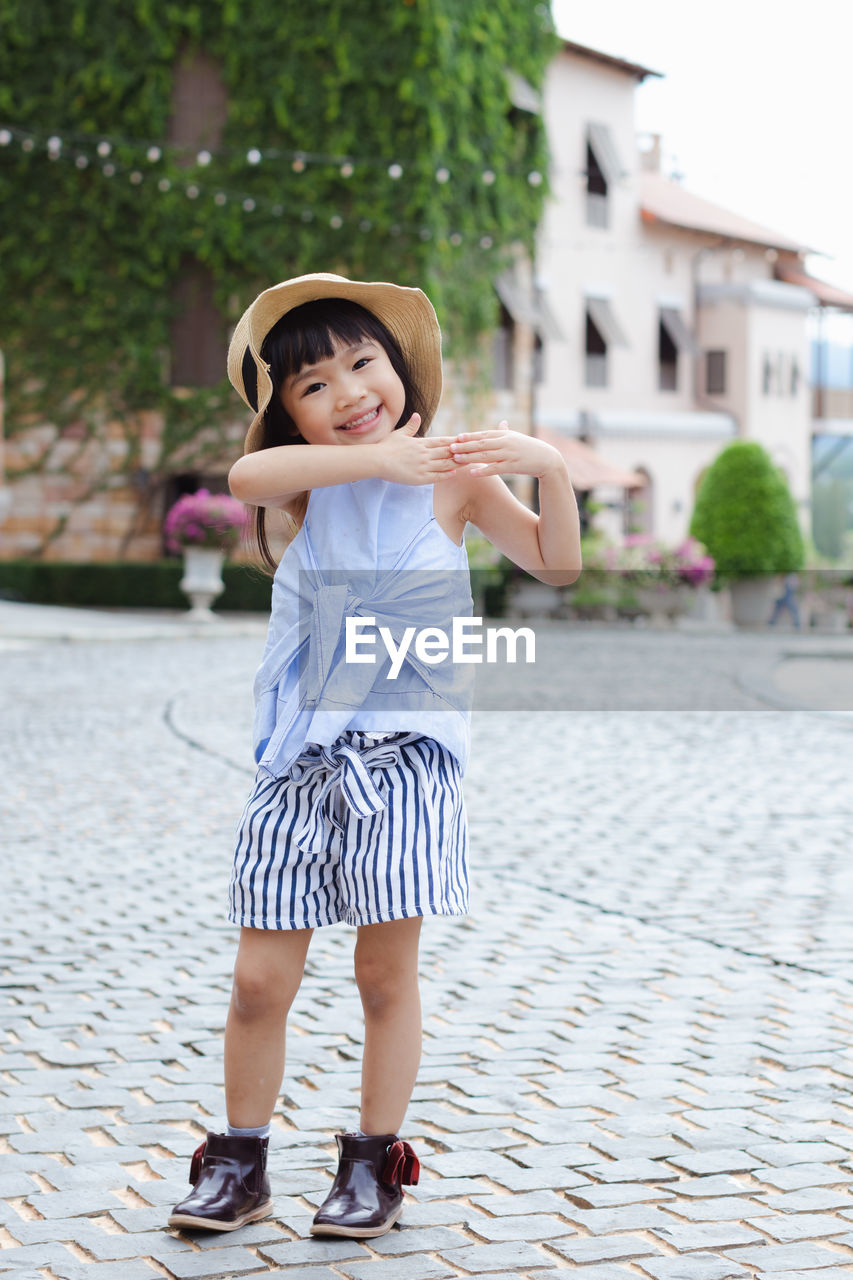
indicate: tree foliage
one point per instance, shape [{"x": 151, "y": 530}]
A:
[
  {"x": 90, "y": 254},
  {"x": 745, "y": 515}
]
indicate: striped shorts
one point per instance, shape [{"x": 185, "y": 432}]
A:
[{"x": 360, "y": 832}]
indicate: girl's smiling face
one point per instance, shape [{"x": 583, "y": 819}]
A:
[{"x": 354, "y": 396}]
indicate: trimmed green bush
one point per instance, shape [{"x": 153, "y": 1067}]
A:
[
  {"x": 127, "y": 585},
  {"x": 746, "y": 517}
]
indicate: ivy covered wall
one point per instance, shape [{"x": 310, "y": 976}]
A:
[{"x": 377, "y": 138}]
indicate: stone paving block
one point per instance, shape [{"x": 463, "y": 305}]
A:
[
  {"x": 229, "y": 1260},
  {"x": 496, "y": 1257},
  {"x": 800, "y": 1226},
  {"x": 785, "y": 1153},
  {"x": 293, "y": 1252},
  {"x": 786, "y": 1257},
  {"x": 418, "y": 1240},
  {"x": 629, "y": 1217},
  {"x": 810, "y": 1199},
  {"x": 418, "y": 1268},
  {"x": 528, "y": 1227},
  {"x": 585, "y": 1250},
  {"x": 716, "y": 1235},
  {"x": 720, "y": 1209},
  {"x": 820, "y": 1273},
  {"x": 525, "y": 1202},
  {"x": 794, "y": 1177},
  {"x": 722, "y": 1161},
  {"x": 696, "y": 1266},
  {"x": 602, "y": 1196}
]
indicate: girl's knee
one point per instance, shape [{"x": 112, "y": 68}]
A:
[
  {"x": 383, "y": 986},
  {"x": 258, "y": 989}
]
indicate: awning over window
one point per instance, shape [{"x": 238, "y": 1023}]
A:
[
  {"x": 522, "y": 95},
  {"x": 601, "y": 314},
  {"x": 672, "y": 321},
  {"x": 524, "y": 310},
  {"x": 600, "y": 139},
  {"x": 828, "y": 295},
  {"x": 587, "y": 469}
]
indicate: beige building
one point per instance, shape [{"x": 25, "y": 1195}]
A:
[{"x": 681, "y": 324}]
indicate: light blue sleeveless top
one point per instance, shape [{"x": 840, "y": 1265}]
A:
[{"x": 369, "y": 549}]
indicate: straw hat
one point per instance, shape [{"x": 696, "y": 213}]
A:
[{"x": 406, "y": 313}]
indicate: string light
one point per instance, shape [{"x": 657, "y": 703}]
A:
[{"x": 58, "y": 148}]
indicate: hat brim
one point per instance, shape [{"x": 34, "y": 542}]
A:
[{"x": 407, "y": 314}]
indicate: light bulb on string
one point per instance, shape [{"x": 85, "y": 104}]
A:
[
  {"x": 54, "y": 148},
  {"x": 5, "y": 137},
  {"x": 395, "y": 171},
  {"x": 488, "y": 177},
  {"x": 203, "y": 158},
  {"x": 108, "y": 170},
  {"x": 104, "y": 148},
  {"x": 220, "y": 198},
  {"x": 248, "y": 205},
  {"x": 82, "y": 162},
  {"x": 486, "y": 242},
  {"x": 192, "y": 192},
  {"x": 336, "y": 221},
  {"x": 27, "y": 144},
  {"x": 425, "y": 233},
  {"x": 153, "y": 154},
  {"x": 347, "y": 170},
  {"x": 456, "y": 238},
  {"x": 442, "y": 175},
  {"x": 136, "y": 177},
  {"x": 254, "y": 156},
  {"x": 298, "y": 163},
  {"x": 164, "y": 184},
  {"x": 535, "y": 178}
]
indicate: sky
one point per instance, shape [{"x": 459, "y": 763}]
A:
[{"x": 753, "y": 108}]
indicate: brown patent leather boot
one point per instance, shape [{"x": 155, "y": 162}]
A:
[
  {"x": 366, "y": 1197},
  {"x": 230, "y": 1185}
]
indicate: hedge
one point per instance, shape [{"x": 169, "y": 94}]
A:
[{"x": 126, "y": 584}]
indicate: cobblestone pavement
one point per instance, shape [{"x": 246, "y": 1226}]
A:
[{"x": 637, "y": 1056}]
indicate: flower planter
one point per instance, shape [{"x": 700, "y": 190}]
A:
[
  {"x": 202, "y": 581},
  {"x": 752, "y": 600},
  {"x": 663, "y": 604}
]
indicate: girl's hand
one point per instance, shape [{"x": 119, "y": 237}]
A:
[
  {"x": 411, "y": 459},
  {"x": 502, "y": 452}
]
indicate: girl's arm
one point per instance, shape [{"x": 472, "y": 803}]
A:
[
  {"x": 548, "y": 546},
  {"x": 270, "y": 477}
]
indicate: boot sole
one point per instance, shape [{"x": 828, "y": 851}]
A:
[
  {"x": 211, "y": 1224},
  {"x": 355, "y": 1233}
]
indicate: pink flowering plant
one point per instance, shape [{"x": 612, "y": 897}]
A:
[
  {"x": 643, "y": 561},
  {"x": 204, "y": 519}
]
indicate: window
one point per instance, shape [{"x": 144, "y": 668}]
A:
[
  {"x": 603, "y": 170},
  {"x": 767, "y": 375},
  {"x": 602, "y": 331},
  {"x": 667, "y": 360},
  {"x": 199, "y": 343},
  {"x": 795, "y": 375},
  {"x": 199, "y": 103},
  {"x": 538, "y": 359},
  {"x": 596, "y": 355},
  {"x": 504, "y": 352},
  {"x": 715, "y": 373}
]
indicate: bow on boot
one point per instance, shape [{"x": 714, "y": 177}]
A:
[{"x": 402, "y": 1166}]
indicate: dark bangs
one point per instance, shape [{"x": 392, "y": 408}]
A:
[{"x": 308, "y": 334}]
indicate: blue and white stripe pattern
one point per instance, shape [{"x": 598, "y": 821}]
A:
[{"x": 360, "y": 832}]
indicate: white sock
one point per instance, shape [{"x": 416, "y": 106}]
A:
[{"x": 263, "y": 1131}]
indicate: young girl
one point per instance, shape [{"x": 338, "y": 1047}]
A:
[{"x": 356, "y": 814}]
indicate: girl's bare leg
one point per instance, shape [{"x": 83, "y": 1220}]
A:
[
  {"x": 267, "y": 974},
  {"x": 386, "y": 970}
]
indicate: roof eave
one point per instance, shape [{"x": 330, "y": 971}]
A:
[{"x": 609, "y": 60}]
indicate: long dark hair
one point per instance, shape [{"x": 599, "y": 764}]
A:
[{"x": 302, "y": 337}]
